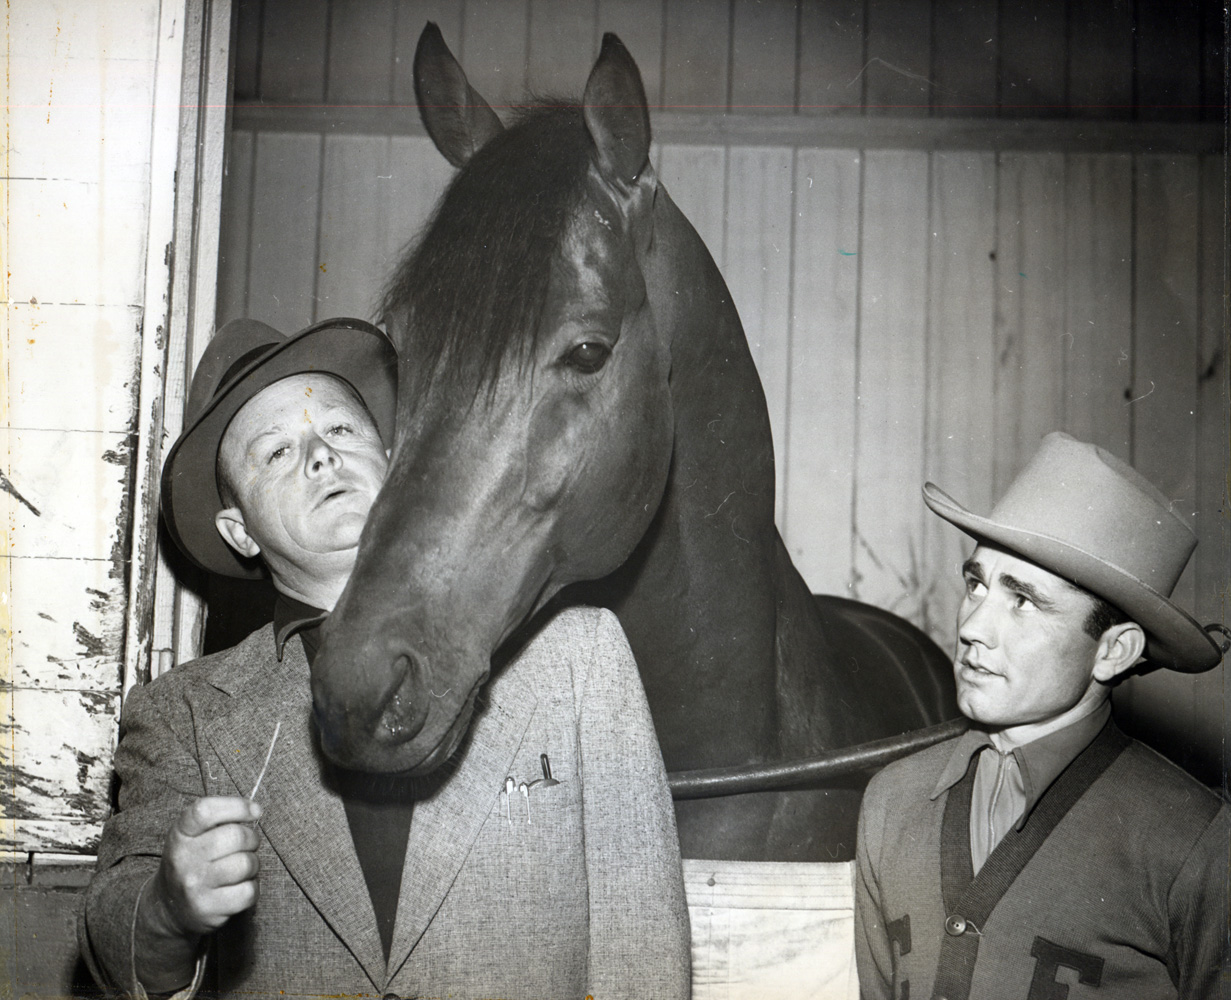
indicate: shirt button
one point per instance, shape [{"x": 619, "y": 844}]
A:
[{"x": 955, "y": 926}]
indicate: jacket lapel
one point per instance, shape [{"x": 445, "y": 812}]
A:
[
  {"x": 446, "y": 823},
  {"x": 304, "y": 820}
]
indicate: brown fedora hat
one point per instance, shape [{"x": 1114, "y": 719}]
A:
[
  {"x": 244, "y": 357},
  {"x": 1083, "y": 514}
]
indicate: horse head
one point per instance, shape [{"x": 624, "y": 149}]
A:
[{"x": 534, "y": 427}]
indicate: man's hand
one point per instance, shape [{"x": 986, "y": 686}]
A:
[
  {"x": 209, "y": 864},
  {"x": 208, "y": 874}
]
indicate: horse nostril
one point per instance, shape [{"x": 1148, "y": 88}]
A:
[{"x": 405, "y": 713}]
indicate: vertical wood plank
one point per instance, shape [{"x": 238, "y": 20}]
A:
[
  {"x": 236, "y": 229},
  {"x": 898, "y": 57},
  {"x": 494, "y": 49},
  {"x": 293, "y": 45},
  {"x": 420, "y": 175},
  {"x": 820, "y": 443},
  {"x": 282, "y": 257},
  {"x": 758, "y": 272},
  {"x": 1164, "y": 426},
  {"x": 696, "y": 67},
  {"x": 696, "y": 178},
  {"x": 1212, "y": 569},
  {"x": 561, "y": 46},
  {"x": 640, "y": 27},
  {"x": 1163, "y": 410},
  {"x": 247, "y": 55},
  {"x": 960, "y": 369},
  {"x": 831, "y": 57},
  {"x": 1168, "y": 60},
  {"x": 361, "y": 37},
  {"x": 1030, "y": 290},
  {"x": 410, "y": 17},
  {"x": 1213, "y": 62},
  {"x": 1032, "y": 44},
  {"x": 354, "y": 225},
  {"x": 1100, "y": 59},
  {"x": 890, "y": 413},
  {"x": 964, "y": 58},
  {"x": 1098, "y": 321},
  {"x": 763, "y": 56}
]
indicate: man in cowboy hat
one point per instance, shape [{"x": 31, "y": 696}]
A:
[
  {"x": 367, "y": 884},
  {"x": 1044, "y": 854}
]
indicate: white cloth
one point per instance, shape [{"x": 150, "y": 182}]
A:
[{"x": 766, "y": 930}]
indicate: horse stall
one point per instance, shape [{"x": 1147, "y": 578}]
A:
[{"x": 948, "y": 228}]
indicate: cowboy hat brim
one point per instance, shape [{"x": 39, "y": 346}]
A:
[
  {"x": 352, "y": 350},
  {"x": 1173, "y": 638}
]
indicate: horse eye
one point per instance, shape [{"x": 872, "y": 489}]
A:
[{"x": 589, "y": 357}]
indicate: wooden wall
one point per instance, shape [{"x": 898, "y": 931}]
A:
[
  {"x": 925, "y": 296},
  {"x": 80, "y": 188}
]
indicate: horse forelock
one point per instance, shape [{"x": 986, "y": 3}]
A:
[{"x": 468, "y": 294}]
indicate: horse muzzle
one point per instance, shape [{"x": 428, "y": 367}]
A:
[{"x": 405, "y": 727}]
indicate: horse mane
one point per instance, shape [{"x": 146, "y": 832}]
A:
[{"x": 469, "y": 291}]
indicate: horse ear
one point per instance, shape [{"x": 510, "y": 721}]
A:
[
  {"x": 455, "y": 116},
  {"x": 614, "y": 105}
]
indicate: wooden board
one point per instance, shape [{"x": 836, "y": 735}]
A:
[
  {"x": 889, "y": 446},
  {"x": 71, "y": 366},
  {"x": 561, "y": 46},
  {"x": 1164, "y": 397},
  {"x": 819, "y": 465},
  {"x": 1033, "y": 40},
  {"x": 101, "y": 265},
  {"x": 355, "y": 192},
  {"x": 361, "y": 54},
  {"x": 696, "y": 177},
  {"x": 1168, "y": 60},
  {"x": 696, "y": 54},
  {"x": 1030, "y": 278},
  {"x": 961, "y": 355},
  {"x": 1100, "y": 59},
  {"x": 56, "y": 746},
  {"x": 247, "y": 50},
  {"x": 763, "y": 47},
  {"x": 294, "y": 43},
  {"x": 282, "y": 261},
  {"x": 493, "y": 49},
  {"x": 419, "y": 175},
  {"x": 830, "y": 70},
  {"x": 964, "y": 58},
  {"x": 757, "y": 267},
  {"x": 898, "y": 58},
  {"x": 236, "y": 228},
  {"x": 1098, "y": 316}
]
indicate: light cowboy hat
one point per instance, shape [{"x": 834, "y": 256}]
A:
[
  {"x": 1083, "y": 514},
  {"x": 244, "y": 357}
]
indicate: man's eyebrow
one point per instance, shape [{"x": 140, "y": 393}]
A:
[
  {"x": 972, "y": 567},
  {"x": 1027, "y": 590}
]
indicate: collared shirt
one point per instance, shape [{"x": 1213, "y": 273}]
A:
[
  {"x": 1011, "y": 778},
  {"x": 378, "y": 807}
]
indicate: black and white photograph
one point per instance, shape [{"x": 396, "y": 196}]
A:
[{"x": 607, "y": 499}]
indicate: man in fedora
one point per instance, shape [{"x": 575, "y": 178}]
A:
[
  {"x": 541, "y": 860},
  {"x": 1044, "y": 854}
]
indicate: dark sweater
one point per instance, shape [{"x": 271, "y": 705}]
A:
[{"x": 1124, "y": 896}]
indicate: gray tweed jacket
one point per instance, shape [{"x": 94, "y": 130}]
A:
[{"x": 572, "y": 890}]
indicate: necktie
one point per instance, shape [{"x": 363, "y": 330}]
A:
[{"x": 997, "y": 801}]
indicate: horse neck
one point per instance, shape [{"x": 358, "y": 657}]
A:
[{"x": 710, "y": 555}]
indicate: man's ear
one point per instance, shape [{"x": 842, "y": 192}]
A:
[
  {"x": 1120, "y": 648},
  {"x": 231, "y": 526}
]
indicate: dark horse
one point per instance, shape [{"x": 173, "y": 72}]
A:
[{"x": 578, "y": 403}]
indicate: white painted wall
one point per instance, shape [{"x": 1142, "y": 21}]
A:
[{"x": 91, "y": 95}]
